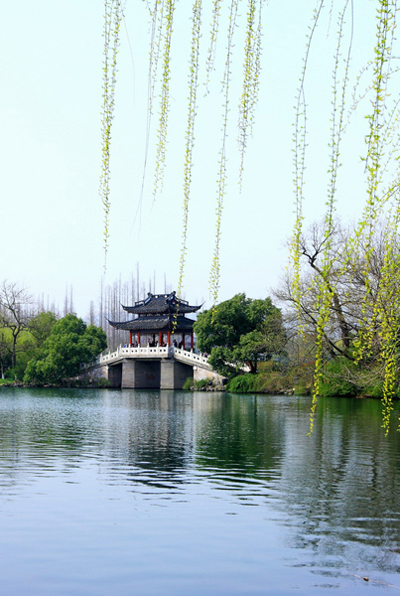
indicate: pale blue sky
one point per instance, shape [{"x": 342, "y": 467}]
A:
[{"x": 51, "y": 69}]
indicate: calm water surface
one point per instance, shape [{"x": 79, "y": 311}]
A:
[{"x": 117, "y": 493}]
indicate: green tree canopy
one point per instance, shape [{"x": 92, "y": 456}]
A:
[
  {"x": 70, "y": 343},
  {"x": 238, "y": 331},
  {"x": 40, "y": 326}
]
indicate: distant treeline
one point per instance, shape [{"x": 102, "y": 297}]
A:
[
  {"x": 108, "y": 305},
  {"x": 27, "y": 324}
]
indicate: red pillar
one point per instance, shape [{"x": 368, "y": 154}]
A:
[
  {"x": 138, "y": 337},
  {"x": 130, "y": 339},
  {"x": 169, "y": 338},
  {"x": 159, "y": 338}
]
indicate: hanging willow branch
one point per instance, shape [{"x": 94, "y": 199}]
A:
[
  {"x": 113, "y": 13},
  {"x": 162, "y": 18},
  {"x": 375, "y": 143},
  {"x": 167, "y": 29},
  {"x": 387, "y": 305},
  {"x": 380, "y": 303},
  {"x": 190, "y": 128},
  {"x": 300, "y": 144},
  {"x": 325, "y": 293},
  {"x": 221, "y": 180},
  {"x": 156, "y": 16},
  {"x": 216, "y": 10},
  {"x": 375, "y": 154},
  {"x": 251, "y": 78}
]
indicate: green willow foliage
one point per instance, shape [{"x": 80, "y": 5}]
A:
[
  {"x": 379, "y": 314},
  {"x": 190, "y": 128},
  {"x": 325, "y": 294},
  {"x": 251, "y": 71},
  {"x": 165, "y": 29},
  {"x": 113, "y": 11},
  {"x": 380, "y": 308},
  {"x": 300, "y": 130},
  {"x": 221, "y": 179},
  {"x": 161, "y": 13}
]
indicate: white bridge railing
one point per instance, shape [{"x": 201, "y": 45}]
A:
[{"x": 180, "y": 354}]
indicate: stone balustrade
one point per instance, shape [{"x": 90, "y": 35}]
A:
[{"x": 180, "y": 354}]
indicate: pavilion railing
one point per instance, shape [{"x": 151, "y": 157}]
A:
[{"x": 154, "y": 352}]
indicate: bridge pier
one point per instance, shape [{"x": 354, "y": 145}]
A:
[
  {"x": 174, "y": 374},
  {"x": 140, "y": 374},
  {"x": 128, "y": 374}
]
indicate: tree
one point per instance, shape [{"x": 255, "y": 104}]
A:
[
  {"x": 371, "y": 89},
  {"x": 40, "y": 326},
  {"x": 70, "y": 344},
  {"x": 5, "y": 353},
  {"x": 240, "y": 331},
  {"x": 356, "y": 307},
  {"x": 15, "y": 312}
]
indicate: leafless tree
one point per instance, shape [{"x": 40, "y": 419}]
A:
[
  {"x": 16, "y": 310},
  {"x": 92, "y": 313},
  {"x": 118, "y": 294},
  {"x": 343, "y": 270}
]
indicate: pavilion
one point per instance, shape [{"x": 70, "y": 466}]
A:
[{"x": 161, "y": 319}]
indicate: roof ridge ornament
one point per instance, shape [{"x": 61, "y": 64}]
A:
[{"x": 161, "y": 304}]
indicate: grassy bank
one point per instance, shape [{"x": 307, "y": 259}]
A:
[{"x": 340, "y": 379}]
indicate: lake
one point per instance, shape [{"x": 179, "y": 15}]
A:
[{"x": 117, "y": 493}]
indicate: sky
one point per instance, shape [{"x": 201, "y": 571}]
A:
[{"x": 50, "y": 150}]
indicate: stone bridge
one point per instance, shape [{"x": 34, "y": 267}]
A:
[{"x": 153, "y": 367}]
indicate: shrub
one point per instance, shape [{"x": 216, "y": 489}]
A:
[
  {"x": 188, "y": 384},
  {"x": 202, "y": 384},
  {"x": 192, "y": 385},
  {"x": 335, "y": 381},
  {"x": 302, "y": 389},
  {"x": 246, "y": 383}
]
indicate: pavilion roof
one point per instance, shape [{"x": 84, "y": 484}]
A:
[
  {"x": 158, "y": 304},
  {"x": 157, "y": 323}
]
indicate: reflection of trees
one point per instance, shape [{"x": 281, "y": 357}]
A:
[
  {"x": 338, "y": 487},
  {"x": 240, "y": 434},
  {"x": 154, "y": 434},
  {"x": 38, "y": 424},
  {"x": 43, "y": 435},
  {"x": 342, "y": 483},
  {"x": 140, "y": 436},
  {"x": 337, "y": 490}
]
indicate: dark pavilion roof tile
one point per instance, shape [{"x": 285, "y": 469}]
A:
[
  {"x": 161, "y": 304},
  {"x": 152, "y": 324}
]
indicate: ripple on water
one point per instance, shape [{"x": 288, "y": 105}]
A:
[{"x": 119, "y": 492}]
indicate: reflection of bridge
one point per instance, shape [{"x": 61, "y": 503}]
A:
[{"x": 151, "y": 367}]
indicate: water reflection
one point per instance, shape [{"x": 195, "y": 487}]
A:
[
  {"x": 340, "y": 486},
  {"x": 240, "y": 435},
  {"x": 334, "y": 493}
]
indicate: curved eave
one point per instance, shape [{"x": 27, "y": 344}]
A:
[
  {"x": 160, "y": 309},
  {"x": 154, "y": 324}
]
